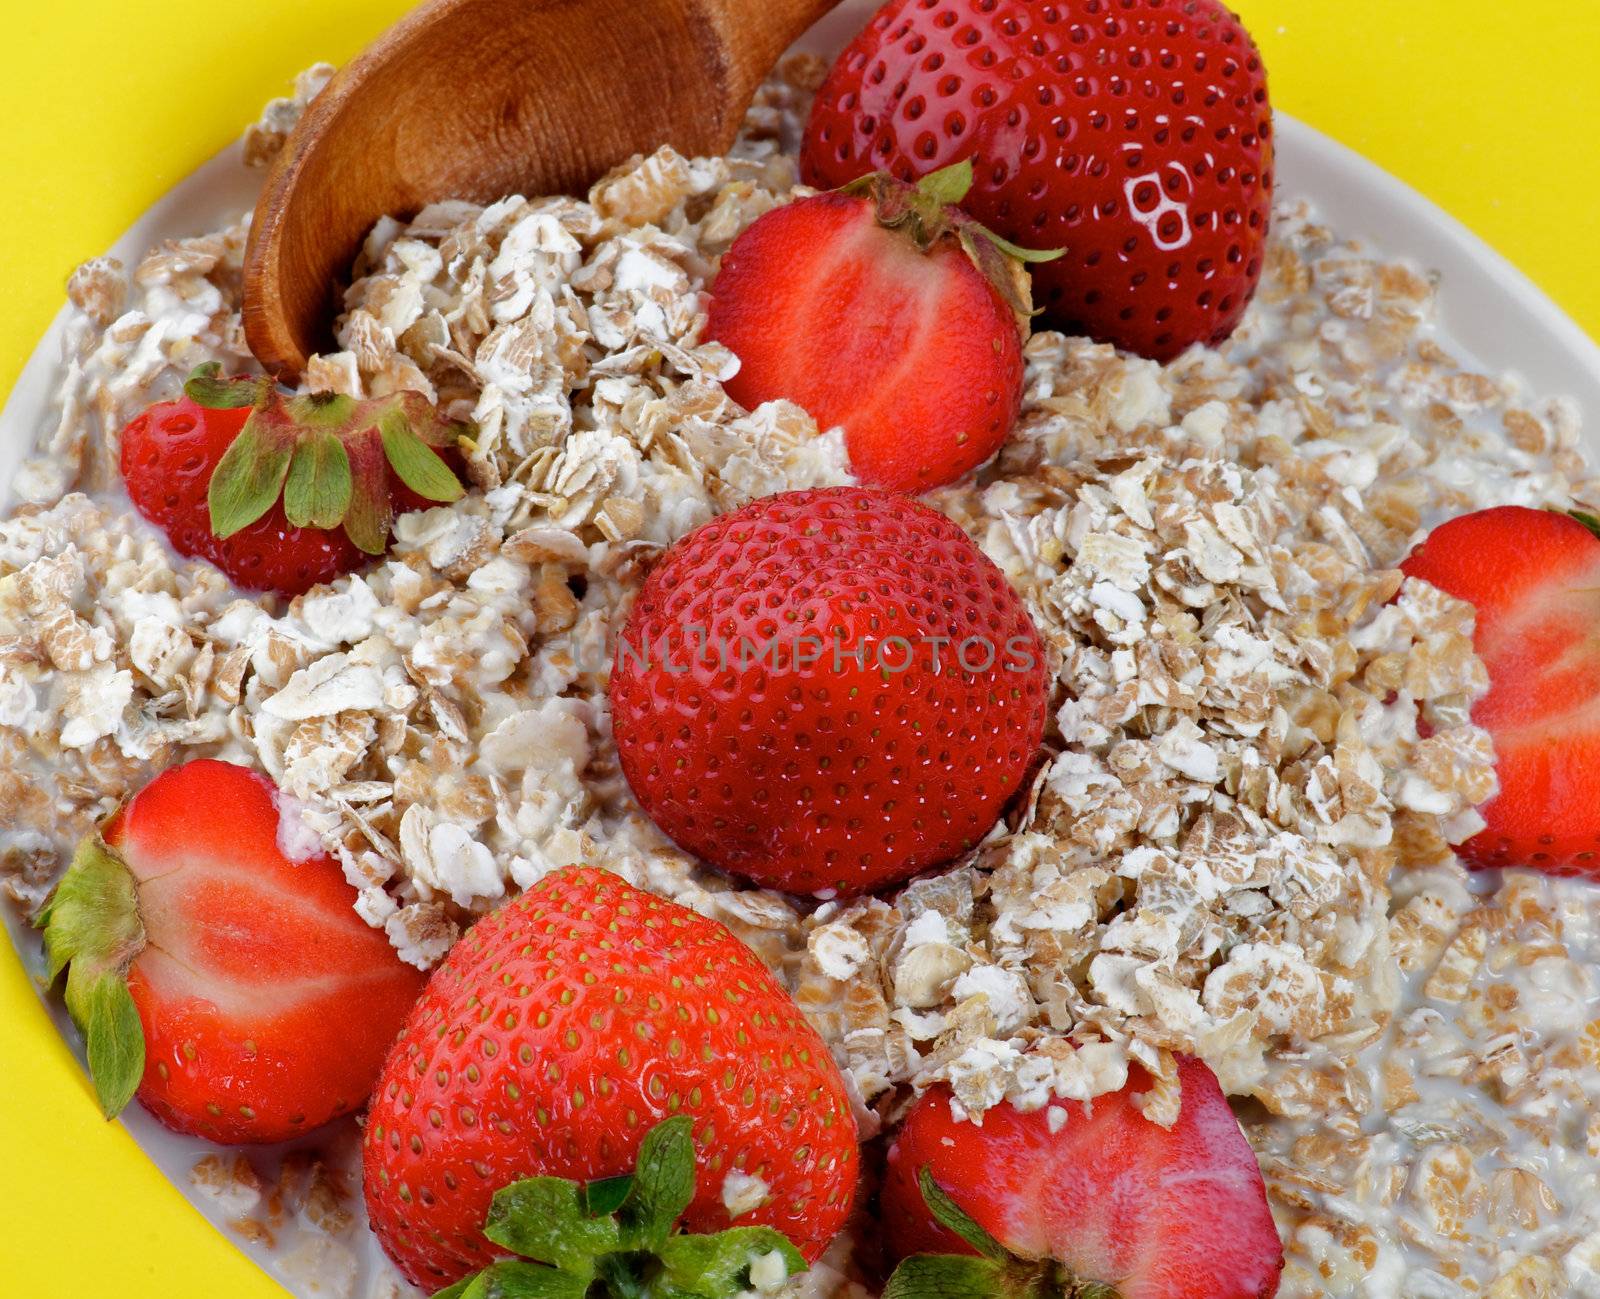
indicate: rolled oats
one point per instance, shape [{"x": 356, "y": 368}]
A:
[{"x": 1466, "y": 1165}]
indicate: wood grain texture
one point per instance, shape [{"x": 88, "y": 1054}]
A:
[{"x": 478, "y": 99}]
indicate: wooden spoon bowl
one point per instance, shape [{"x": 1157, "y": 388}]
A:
[{"x": 477, "y": 99}]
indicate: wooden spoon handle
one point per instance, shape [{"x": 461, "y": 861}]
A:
[{"x": 478, "y": 99}]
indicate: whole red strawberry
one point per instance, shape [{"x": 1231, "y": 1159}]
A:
[
  {"x": 1090, "y": 1198},
  {"x": 886, "y": 311},
  {"x": 235, "y": 990},
  {"x": 282, "y": 493},
  {"x": 828, "y": 690},
  {"x": 558, "y": 1032},
  {"x": 1135, "y": 135},
  {"x": 1533, "y": 576}
]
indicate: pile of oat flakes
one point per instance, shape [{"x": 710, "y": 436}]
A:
[{"x": 1239, "y": 846}]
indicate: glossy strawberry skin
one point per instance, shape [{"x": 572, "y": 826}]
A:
[
  {"x": 914, "y": 354},
  {"x": 1135, "y": 135},
  {"x": 1177, "y": 1213},
  {"x": 169, "y": 453},
  {"x": 267, "y": 1004},
  {"x": 832, "y": 774},
  {"x": 1533, "y": 577},
  {"x": 557, "y": 1032}
]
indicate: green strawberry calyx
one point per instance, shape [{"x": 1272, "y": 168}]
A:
[
  {"x": 93, "y": 932},
  {"x": 1588, "y": 520},
  {"x": 618, "y": 1236},
  {"x": 325, "y": 455},
  {"x": 930, "y": 210},
  {"x": 995, "y": 1272}
]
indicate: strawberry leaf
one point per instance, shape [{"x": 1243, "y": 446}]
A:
[
  {"x": 949, "y": 186},
  {"x": 331, "y": 411},
  {"x": 1588, "y": 520},
  {"x": 948, "y": 1276},
  {"x": 92, "y": 930},
  {"x": 948, "y": 1214},
  {"x": 248, "y": 478},
  {"x": 418, "y": 465},
  {"x": 371, "y": 511},
  {"x": 607, "y": 1195},
  {"x": 1032, "y": 256},
  {"x": 1010, "y": 281},
  {"x": 318, "y": 489},
  {"x": 93, "y": 913},
  {"x": 543, "y": 1218},
  {"x": 206, "y": 387},
  {"x": 114, "y": 1039},
  {"x": 514, "y": 1279},
  {"x": 720, "y": 1264},
  {"x": 663, "y": 1185}
]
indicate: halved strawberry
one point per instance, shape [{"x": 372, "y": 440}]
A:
[
  {"x": 1534, "y": 578},
  {"x": 1080, "y": 1199},
  {"x": 887, "y": 311},
  {"x": 234, "y": 989}
]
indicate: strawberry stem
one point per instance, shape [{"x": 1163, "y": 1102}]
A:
[
  {"x": 327, "y": 456},
  {"x": 928, "y": 212}
]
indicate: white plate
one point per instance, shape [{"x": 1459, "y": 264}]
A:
[{"x": 1490, "y": 313}]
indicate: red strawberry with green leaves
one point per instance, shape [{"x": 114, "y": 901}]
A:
[
  {"x": 1533, "y": 576},
  {"x": 280, "y": 492},
  {"x": 617, "y": 1237},
  {"x": 1080, "y": 1200},
  {"x": 1135, "y": 135},
  {"x": 563, "y": 1028},
  {"x": 235, "y": 990},
  {"x": 828, "y": 691},
  {"x": 887, "y": 311}
]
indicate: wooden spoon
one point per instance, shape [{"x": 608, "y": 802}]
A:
[{"x": 477, "y": 99}]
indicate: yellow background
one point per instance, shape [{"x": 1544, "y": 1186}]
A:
[{"x": 1486, "y": 107}]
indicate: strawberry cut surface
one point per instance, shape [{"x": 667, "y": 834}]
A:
[
  {"x": 1533, "y": 578},
  {"x": 1156, "y": 1213}
]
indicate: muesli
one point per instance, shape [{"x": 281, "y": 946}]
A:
[{"x": 1238, "y": 843}]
